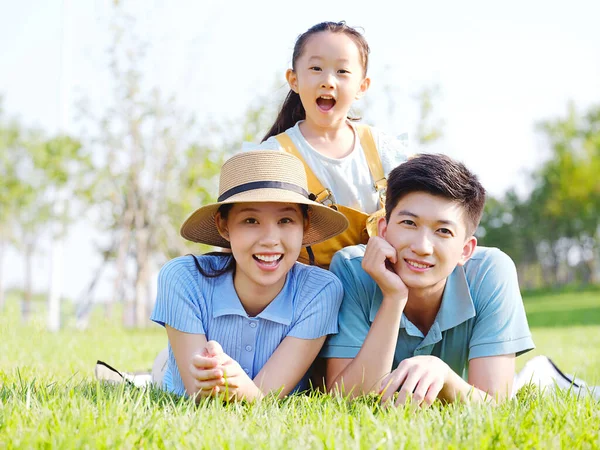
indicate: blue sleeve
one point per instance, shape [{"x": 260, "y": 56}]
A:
[
  {"x": 501, "y": 326},
  {"x": 179, "y": 302},
  {"x": 353, "y": 320},
  {"x": 319, "y": 314}
]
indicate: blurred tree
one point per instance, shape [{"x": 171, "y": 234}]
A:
[
  {"x": 556, "y": 228},
  {"x": 568, "y": 187},
  {"x": 155, "y": 166},
  {"x": 12, "y": 188},
  {"x": 429, "y": 128},
  {"x": 65, "y": 166}
]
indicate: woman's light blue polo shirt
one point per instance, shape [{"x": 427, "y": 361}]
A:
[
  {"x": 481, "y": 313},
  {"x": 307, "y": 308}
]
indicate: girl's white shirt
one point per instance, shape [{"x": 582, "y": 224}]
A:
[{"x": 348, "y": 178}]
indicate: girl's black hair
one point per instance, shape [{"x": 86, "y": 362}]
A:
[
  {"x": 230, "y": 265},
  {"x": 292, "y": 110}
]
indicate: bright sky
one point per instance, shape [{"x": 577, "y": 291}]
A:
[{"x": 501, "y": 67}]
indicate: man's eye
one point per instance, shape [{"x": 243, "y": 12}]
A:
[
  {"x": 407, "y": 222},
  {"x": 445, "y": 231}
]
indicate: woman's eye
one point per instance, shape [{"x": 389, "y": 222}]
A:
[
  {"x": 250, "y": 220},
  {"x": 286, "y": 220}
]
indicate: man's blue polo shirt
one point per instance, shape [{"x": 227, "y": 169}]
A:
[{"x": 481, "y": 313}]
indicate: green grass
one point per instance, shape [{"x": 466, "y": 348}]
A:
[{"x": 49, "y": 399}]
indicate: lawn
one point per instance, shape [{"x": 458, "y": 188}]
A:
[{"x": 49, "y": 398}]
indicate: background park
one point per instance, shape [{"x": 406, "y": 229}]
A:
[{"x": 114, "y": 119}]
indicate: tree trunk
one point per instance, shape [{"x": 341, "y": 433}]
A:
[
  {"x": 56, "y": 278},
  {"x": 2, "y": 293},
  {"x": 122, "y": 253},
  {"x": 28, "y": 284},
  {"x": 142, "y": 279}
]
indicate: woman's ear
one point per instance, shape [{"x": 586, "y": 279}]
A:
[
  {"x": 307, "y": 219},
  {"x": 292, "y": 80},
  {"x": 221, "y": 224}
]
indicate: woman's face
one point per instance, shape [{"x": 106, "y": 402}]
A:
[{"x": 265, "y": 239}]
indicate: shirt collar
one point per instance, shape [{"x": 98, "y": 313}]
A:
[
  {"x": 457, "y": 304},
  {"x": 227, "y": 302},
  {"x": 456, "y": 307}
]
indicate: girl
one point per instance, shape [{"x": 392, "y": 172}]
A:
[
  {"x": 346, "y": 163},
  {"x": 251, "y": 321}
]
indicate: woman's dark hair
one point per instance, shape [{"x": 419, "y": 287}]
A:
[
  {"x": 438, "y": 175},
  {"x": 229, "y": 265},
  {"x": 230, "y": 262},
  {"x": 292, "y": 110}
]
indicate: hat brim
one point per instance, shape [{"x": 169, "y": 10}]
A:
[{"x": 324, "y": 224}]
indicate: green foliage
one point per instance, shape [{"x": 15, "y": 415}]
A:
[{"x": 561, "y": 215}]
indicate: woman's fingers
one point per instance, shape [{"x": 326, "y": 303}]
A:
[{"x": 213, "y": 348}]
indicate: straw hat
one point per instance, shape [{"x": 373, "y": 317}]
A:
[{"x": 263, "y": 176}]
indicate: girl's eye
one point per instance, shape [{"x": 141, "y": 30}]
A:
[{"x": 250, "y": 220}]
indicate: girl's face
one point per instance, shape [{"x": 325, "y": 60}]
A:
[
  {"x": 329, "y": 77},
  {"x": 266, "y": 239}
]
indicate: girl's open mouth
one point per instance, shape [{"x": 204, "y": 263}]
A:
[{"x": 325, "y": 102}]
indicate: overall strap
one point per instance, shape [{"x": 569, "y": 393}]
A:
[
  {"x": 314, "y": 185},
  {"x": 373, "y": 160}
]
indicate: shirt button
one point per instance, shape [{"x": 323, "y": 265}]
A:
[
  {"x": 252, "y": 324},
  {"x": 248, "y": 348}
]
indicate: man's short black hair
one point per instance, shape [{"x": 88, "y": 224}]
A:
[{"x": 438, "y": 175}]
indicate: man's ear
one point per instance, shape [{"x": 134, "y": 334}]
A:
[
  {"x": 468, "y": 250},
  {"x": 364, "y": 87},
  {"x": 221, "y": 224},
  {"x": 382, "y": 227},
  {"x": 292, "y": 80}
]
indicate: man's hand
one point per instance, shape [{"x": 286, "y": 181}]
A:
[
  {"x": 378, "y": 262},
  {"x": 421, "y": 379}
]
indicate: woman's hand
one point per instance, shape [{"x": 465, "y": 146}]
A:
[
  {"x": 216, "y": 374},
  {"x": 206, "y": 369}
]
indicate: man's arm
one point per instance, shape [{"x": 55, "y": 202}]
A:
[{"x": 374, "y": 360}]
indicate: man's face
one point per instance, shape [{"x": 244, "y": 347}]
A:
[{"x": 429, "y": 235}]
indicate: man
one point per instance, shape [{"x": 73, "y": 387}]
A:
[{"x": 425, "y": 311}]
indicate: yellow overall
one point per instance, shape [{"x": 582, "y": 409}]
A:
[{"x": 362, "y": 225}]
